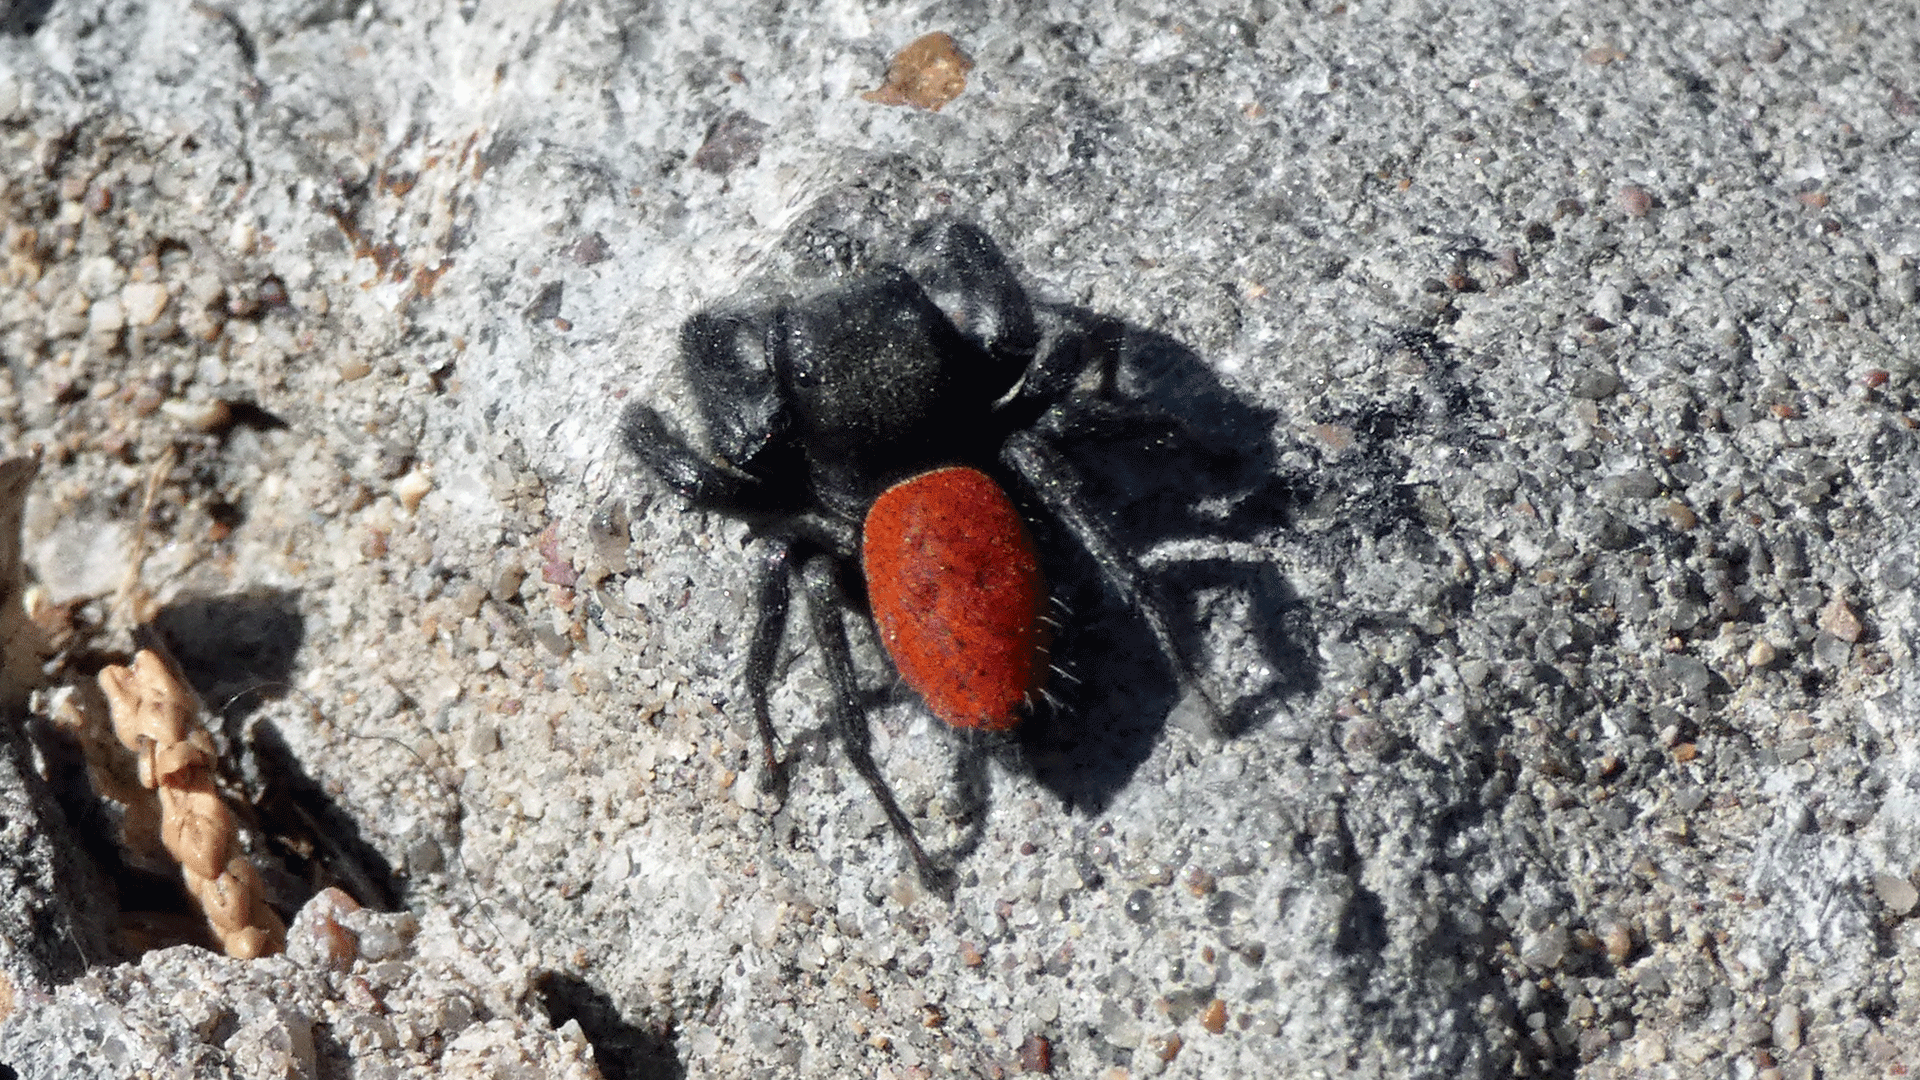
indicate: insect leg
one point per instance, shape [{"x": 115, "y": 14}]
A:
[
  {"x": 695, "y": 476},
  {"x": 824, "y": 606},
  {"x": 772, "y": 587},
  {"x": 1053, "y": 482}
]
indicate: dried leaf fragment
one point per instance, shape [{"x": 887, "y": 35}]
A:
[
  {"x": 927, "y": 74},
  {"x": 154, "y": 716}
]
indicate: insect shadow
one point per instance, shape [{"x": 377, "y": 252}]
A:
[
  {"x": 622, "y": 1049},
  {"x": 1173, "y": 458}
]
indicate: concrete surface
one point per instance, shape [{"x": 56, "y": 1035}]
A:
[{"x": 1541, "y": 494}]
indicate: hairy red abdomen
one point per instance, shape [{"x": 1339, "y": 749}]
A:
[{"x": 956, "y": 592}]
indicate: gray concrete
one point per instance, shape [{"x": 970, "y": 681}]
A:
[{"x": 1546, "y": 509}]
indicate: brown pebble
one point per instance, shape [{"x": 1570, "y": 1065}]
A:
[
  {"x": 336, "y": 946},
  {"x": 1200, "y": 882},
  {"x": 927, "y": 74},
  {"x": 1839, "y": 620},
  {"x": 1214, "y": 1016},
  {"x": 1337, "y": 437},
  {"x": 412, "y": 488},
  {"x": 1636, "y": 200},
  {"x": 1682, "y": 516},
  {"x": 1166, "y": 1047},
  {"x": 1617, "y": 940},
  {"x": 1036, "y": 1054}
]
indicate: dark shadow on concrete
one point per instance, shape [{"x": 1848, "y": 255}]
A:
[
  {"x": 318, "y": 844},
  {"x": 623, "y": 1050},
  {"x": 235, "y": 644},
  {"x": 238, "y": 652},
  {"x": 1166, "y": 453}
]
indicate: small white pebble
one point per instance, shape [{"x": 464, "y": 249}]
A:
[
  {"x": 810, "y": 955},
  {"x": 241, "y": 237},
  {"x": 1786, "y": 1028},
  {"x": 1545, "y": 950},
  {"x": 143, "y": 301},
  {"x": 211, "y": 415},
  {"x": 764, "y": 925},
  {"x": 106, "y": 317},
  {"x": 444, "y": 690},
  {"x": 413, "y": 487}
]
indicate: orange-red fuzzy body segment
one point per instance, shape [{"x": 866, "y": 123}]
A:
[{"x": 956, "y": 591}]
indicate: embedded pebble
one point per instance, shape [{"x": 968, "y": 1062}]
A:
[
  {"x": 1786, "y": 1028},
  {"x": 412, "y": 488},
  {"x": 1838, "y": 619},
  {"x": 106, "y": 317},
  {"x": 1036, "y": 1054},
  {"x": 1638, "y": 484},
  {"x": 1543, "y": 951},
  {"x": 1139, "y": 906},
  {"x": 1897, "y": 893},
  {"x": 318, "y": 936},
  {"x": 1617, "y": 940},
  {"x": 143, "y": 301},
  {"x": 209, "y": 415}
]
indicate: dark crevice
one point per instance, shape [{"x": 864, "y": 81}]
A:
[{"x": 23, "y": 17}]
